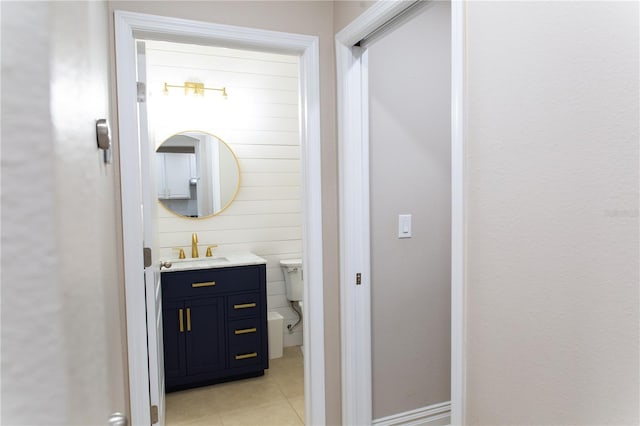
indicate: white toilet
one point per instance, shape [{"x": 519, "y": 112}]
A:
[
  {"x": 292, "y": 270},
  {"x": 293, "y": 281}
]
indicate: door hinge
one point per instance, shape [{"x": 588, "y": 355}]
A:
[
  {"x": 154, "y": 414},
  {"x": 358, "y": 278},
  {"x": 146, "y": 254},
  {"x": 142, "y": 91}
]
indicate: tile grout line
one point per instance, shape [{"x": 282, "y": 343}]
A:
[{"x": 295, "y": 411}]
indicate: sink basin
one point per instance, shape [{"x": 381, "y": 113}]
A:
[
  {"x": 236, "y": 259},
  {"x": 201, "y": 259},
  {"x": 197, "y": 263}
]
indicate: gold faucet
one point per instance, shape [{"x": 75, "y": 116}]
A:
[
  {"x": 209, "y": 252},
  {"x": 180, "y": 252},
  {"x": 194, "y": 245}
]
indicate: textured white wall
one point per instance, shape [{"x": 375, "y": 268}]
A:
[
  {"x": 33, "y": 358},
  {"x": 410, "y": 158},
  {"x": 62, "y": 342},
  {"x": 259, "y": 121},
  {"x": 86, "y": 215},
  {"x": 552, "y": 192}
]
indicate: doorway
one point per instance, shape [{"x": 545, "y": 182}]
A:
[
  {"x": 247, "y": 112},
  {"x": 354, "y": 99},
  {"x": 131, "y": 27}
]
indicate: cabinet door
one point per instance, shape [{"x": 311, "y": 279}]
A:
[
  {"x": 205, "y": 335},
  {"x": 173, "y": 333},
  {"x": 177, "y": 174},
  {"x": 161, "y": 181}
]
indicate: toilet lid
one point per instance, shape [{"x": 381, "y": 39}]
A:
[{"x": 291, "y": 262}]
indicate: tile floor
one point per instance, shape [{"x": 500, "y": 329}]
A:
[{"x": 275, "y": 399}]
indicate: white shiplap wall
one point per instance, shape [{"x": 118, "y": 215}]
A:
[{"x": 259, "y": 121}]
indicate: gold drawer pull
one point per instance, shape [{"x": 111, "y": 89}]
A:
[
  {"x": 188, "y": 319},
  {"x": 244, "y": 306},
  {"x": 245, "y": 356},
  {"x": 246, "y": 330},
  {"x": 205, "y": 284},
  {"x": 180, "y": 320}
]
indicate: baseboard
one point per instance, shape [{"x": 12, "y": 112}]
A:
[{"x": 432, "y": 415}]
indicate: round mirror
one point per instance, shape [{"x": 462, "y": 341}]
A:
[{"x": 198, "y": 174}]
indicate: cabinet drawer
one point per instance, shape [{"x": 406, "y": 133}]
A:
[
  {"x": 206, "y": 282},
  {"x": 244, "y": 335},
  {"x": 243, "y": 305}
]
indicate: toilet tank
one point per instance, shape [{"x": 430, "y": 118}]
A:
[{"x": 292, "y": 271}]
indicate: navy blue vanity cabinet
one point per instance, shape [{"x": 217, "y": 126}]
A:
[{"x": 214, "y": 325}]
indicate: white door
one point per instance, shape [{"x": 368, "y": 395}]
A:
[{"x": 152, "y": 272}]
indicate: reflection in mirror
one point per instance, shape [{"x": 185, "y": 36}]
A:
[{"x": 197, "y": 174}]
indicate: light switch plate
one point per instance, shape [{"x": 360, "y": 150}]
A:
[{"x": 404, "y": 226}]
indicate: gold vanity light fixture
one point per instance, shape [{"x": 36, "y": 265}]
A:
[{"x": 195, "y": 88}]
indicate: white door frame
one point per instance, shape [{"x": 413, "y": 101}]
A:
[
  {"x": 353, "y": 141},
  {"x": 128, "y": 27}
]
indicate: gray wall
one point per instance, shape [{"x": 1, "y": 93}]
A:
[
  {"x": 552, "y": 191},
  {"x": 409, "y": 79}
]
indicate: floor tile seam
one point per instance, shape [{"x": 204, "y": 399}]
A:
[
  {"x": 294, "y": 409},
  {"x": 259, "y": 407},
  {"x": 190, "y": 420},
  {"x": 241, "y": 388},
  {"x": 282, "y": 391}
]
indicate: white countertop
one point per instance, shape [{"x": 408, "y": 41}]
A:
[{"x": 222, "y": 261}]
